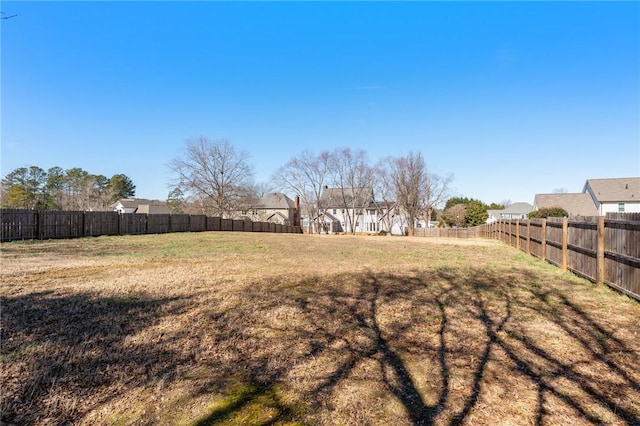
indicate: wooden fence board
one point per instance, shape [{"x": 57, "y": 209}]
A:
[
  {"x": 60, "y": 224},
  {"x": 179, "y": 223},
  {"x": 214, "y": 223},
  {"x": 226, "y": 224},
  {"x": 603, "y": 250},
  {"x": 158, "y": 223},
  {"x": 133, "y": 224},
  {"x": 101, "y": 223},
  {"x": 198, "y": 223},
  {"x": 19, "y": 224}
]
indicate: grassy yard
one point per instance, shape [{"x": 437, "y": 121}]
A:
[{"x": 266, "y": 329}]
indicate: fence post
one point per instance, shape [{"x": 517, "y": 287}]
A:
[
  {"x": 600, "y": 271},
  {"x": 518, "y": 234},
  {"x": 565, "y": 240},
  {"x": 543, "y": 237},
  {"x": 529, "y": 237}
]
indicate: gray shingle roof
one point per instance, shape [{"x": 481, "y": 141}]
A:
[
  {"x": 275, "y": 200},
  {"x": 339, "y": 197},
  {"x": 575, "y": 204},
  {"x": 142, "y": 205},
  {"x": 615, "y": 190},
  {"x": 517, "y": 208}
]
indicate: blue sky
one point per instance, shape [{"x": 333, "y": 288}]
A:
[{"x": 511, "y": 98}]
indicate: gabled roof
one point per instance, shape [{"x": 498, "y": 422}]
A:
[
  {"x": 279, "y": 215},
  {"x": 275, "y": 200},
  {"x": 153, "y": 209},
  {"x": 615, "y": 190},
  {"x": 142, "y": 205},
  {"x": 339, "y": 197},
  {"x": 517, "y": 208},
  {"x": 575, "y": 204}
]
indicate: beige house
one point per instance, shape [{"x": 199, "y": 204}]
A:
[
  {"x": 140, "y": 205},
  {"x": 275, "y": 207}
]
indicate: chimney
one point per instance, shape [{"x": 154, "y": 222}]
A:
[{"x": 296, "y": 211}]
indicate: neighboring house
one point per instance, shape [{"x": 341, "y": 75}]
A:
[
  {"x": 351, "y": 210},
  {"x": 513, "y": 211},
  {"x": 275, "y": 207},
  {"x": 140, "y": 205},
  {"x": 598, "y": 197},
  {"x": 576, "y": 204},
  {"x": 619, "y": 195},
  {"x": 356, "y": 210}
]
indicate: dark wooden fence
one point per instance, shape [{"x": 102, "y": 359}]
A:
[
  {"x": 474, "y": 232},
  {"x": 48, "y": 224},
  {"x": 600, "y": 249}
]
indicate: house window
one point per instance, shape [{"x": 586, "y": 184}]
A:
[
  {"x": 335, "y": 211},
  {"x": 620, "y": 207}
]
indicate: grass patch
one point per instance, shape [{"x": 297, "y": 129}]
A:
[{"x": 235, "y": 328}]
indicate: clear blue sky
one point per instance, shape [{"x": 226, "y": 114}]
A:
[{"x": 511, "y": 98}]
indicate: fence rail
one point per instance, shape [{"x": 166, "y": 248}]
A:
[
  {"x": 600, "y": 249},
  {"x": 48, "y": 224}
]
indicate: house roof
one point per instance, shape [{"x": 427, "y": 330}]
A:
[
  {"x": 153, "y": 209},
  {"x": 517, "y": 208},
  {"x": 339, "y": 197},
  {"x": 615, "y": 190},
  {"x": 143, "y": 205},
  {"x": 279, "y": 215},
  {"x": 275, "y": 200},
  {"x": 576, "y": 204}
]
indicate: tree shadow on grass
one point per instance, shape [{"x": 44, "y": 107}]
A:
[
  {"x": 421, "y": 348},
  {"x": 317, "y": 336},
  {"x": 64, "y": 354}
]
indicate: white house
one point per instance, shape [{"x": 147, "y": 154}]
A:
[{"x": 618, "y": 195}]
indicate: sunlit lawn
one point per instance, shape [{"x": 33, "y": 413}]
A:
[{"x": 257, "y": 329}]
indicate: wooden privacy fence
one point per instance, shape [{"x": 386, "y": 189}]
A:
[
  {"x": 473, "y": 232},
  {"x": 600, "y": 249},
  {"x": 48, "y": 224}
]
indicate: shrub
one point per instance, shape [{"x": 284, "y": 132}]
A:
[{"x": 546, "y": 212}]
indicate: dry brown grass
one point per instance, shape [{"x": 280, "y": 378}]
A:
[{"x": 259, "y": 329}]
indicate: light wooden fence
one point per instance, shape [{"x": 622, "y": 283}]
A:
[
  {"x": 48, "y": 224},
  {"x": 600, "y": 249}
]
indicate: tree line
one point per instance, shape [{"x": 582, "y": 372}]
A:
[
  {"x": 217, "y": 178},
  {"x": 58, "y": 189},
  {"x": 213, "y": 177}
]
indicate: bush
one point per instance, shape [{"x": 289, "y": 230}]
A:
[
  {"x": 382, "y": 232},
  {"x": 546, "y": 212}
]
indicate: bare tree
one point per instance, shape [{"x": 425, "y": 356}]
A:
[
  {"x": 385, "y": 192},
  {"x": 305, "y": 176},
  {"x": 455, "y": 215},
  {"x": 417, "y": 191},
  {"x": 214, "y": 173},
  {"x": 352, "y": 178}
]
